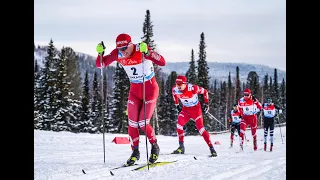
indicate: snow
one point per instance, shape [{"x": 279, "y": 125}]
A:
[{"x": 63, "y": 155}]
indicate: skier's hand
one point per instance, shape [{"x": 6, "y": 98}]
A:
[
  {"x": 254, "y": 99},
  {"x": 240, "y": 117},
  {"x": 206, "y": 108},
  {"x": 100, "y": 48},
  {"x": 143, "y": 48},
  {"x": 178, "y": 108}
]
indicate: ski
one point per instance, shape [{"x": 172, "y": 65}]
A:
[
  {"x": 153, "y": 165},
  {"x": 123, "y": 166}
]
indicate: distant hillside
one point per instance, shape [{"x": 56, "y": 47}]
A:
[
  {"x": 217, "y": 70},
  {"x": 220, "y": 71}
]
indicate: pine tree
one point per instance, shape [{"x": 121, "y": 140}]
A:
[
  {"x": 62, "y": 94},
  {"x": 36, "y": 96},
  {"x": 169, "y": 119},
  {"x": 283, "y": 100},
  {"x": 203, "y": 71},
  {"x": 147, "y": 38},
  {"x": 120, "y": 98},
  {"x": 95, "y": 121},
  {"x": 238, "y": 85},
  {"x": 275, "y": 88},
  {"x": 85, "y": 106},
  {"x": 191, "y": 73},
  {"x": 73, "y": 74},
  {"x": 49, "y": 82}
]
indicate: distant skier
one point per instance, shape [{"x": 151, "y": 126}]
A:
[
  {"x": 235, "y": 119},
  {"x": 191, "y": 109},
  {"x": 129, "y": 55},
  {"x": 249, "y": 106},
  {"x": 269, "y": 112}
]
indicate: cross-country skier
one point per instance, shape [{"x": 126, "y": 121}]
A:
[
  {"x": 191, "y": 109},
  {"x": 269, "y": 112},
  {"x": 129, "y": 55},
  {"x": 234, "y": 122},
  {"x": 249, "y": 106}
]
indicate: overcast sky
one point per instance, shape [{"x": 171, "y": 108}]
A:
[{"x": 246, "y": 31}]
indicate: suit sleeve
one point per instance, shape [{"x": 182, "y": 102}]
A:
[
  {"x": 200, "y": 90},
  {"x": 175, "y": 97},
  {"x": 155, "y": 57},
  {"x": 107, "y": 59},
  {"x": 240, "y": 108}
]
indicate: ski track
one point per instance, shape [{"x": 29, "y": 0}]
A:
[{"x": 62, "y": 164}]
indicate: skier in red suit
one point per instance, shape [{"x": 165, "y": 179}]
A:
[
  {"x": 249, "y": 106},
  {"x": 129, "y": 55},
  {"x": 191, "y": 108}
]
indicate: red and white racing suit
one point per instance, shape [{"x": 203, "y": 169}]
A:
[
  {"x": 191, "y": 109},
  {"x": 248, "y": 110},
  {"x": 134, "y": 68}
]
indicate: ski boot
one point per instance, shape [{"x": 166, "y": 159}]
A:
[
  {"x": 154, "y": 153},
  {"x": 255, "y": 144},
  {"x": 180, "y": 150},
  {"x": 231, "y": 143},
  {"x": 133, "y": 158},
  {"x": 213, "y": 152},
  {"x": 265, "y": 147},
  {"x": 271, "y": 146}
]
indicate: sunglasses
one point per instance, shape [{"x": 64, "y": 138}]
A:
[
  {"x": 246, "y": 94},
  {"x": 123, "y": 48},
  {"x": 179, "y": 84}
]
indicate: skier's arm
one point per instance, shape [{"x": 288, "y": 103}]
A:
[
  {"x": 155, "y": 57},
  {"x": 107, "y": 59},
  {"x": 175, "y": 97},
  {"x": 200, "y": 90}
]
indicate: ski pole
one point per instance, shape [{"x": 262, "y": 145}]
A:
[
  {"x": 212, "y": 117},
  {"x": 279, "y": 128},
  {"x": 102, "y": 113},
  {"x": 144, "y": 108}
]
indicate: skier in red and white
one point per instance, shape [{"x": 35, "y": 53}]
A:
[
  {"x": 129, "y": 55},
  {"x": 188, "y": 95},
  {"x": 249, "y": 106}
]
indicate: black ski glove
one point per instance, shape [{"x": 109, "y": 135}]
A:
[
  {"x": 178, "y": 108},
  {"x": 205, "y": 108}
]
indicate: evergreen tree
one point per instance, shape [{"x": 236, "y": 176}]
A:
[
  {"x": 161, "y": 106},
  {"x": 203, "y": 71},
  {"x": 62, "y": 93},
  {"x": 36, "y": 96},
  {"x": 238, "y": 92},
  {"x": 191, "y": 73},
  {"x": 222, "y": 105},
  {"x": 73, "y": 74},
  {"x": 192, "y": 78},
  {"x": 230, "y": 99},
  {"x": 147, "y": 38},
  {"x": 283, "y": 100},
  {"x": 120, "y": 98},
  {"x": 85, "y": 107},
  {"x": 168, "y": 123},
  {"x": 275, "y": 89},
  {"x": 49, "y": 82},
  {"x": 265, "y": 87},
  {"x": 95, "y": 121}
]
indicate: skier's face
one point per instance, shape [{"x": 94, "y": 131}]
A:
[
  {"x": 181, "y": 86},
  {"x": 246, "y": 96},
  {"x": 127, "y": 50}
]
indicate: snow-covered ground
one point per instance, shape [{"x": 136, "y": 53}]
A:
[{"x": 63, "y": 155}]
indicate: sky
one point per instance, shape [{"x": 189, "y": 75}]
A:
[
  {"x": 235, "y": 30},
  {"x": 63, "y": 156}
]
